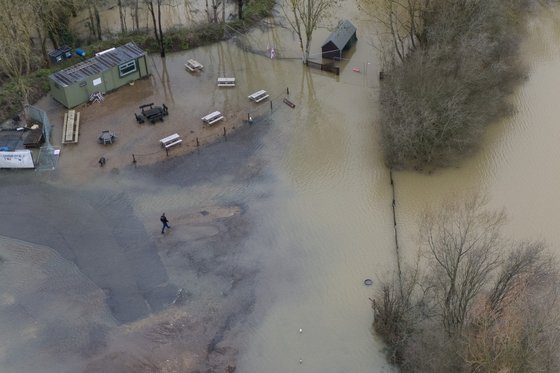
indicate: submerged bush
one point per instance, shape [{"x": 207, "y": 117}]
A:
[{"x": 436, "y": 104}]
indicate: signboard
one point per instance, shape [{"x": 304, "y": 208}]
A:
[
  {"x": 16, "y": 159},
  {"x": 97, "y": 81}
]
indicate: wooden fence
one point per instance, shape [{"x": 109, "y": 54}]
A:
[{"x": 331, "y": 68}]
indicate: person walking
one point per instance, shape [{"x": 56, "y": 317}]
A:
[{"x": 165, "y": 222}]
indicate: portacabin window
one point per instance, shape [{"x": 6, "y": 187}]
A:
[{"x": 127, "y": 68}]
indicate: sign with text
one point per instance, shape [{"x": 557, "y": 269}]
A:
[{"x": 16, "y": 159}]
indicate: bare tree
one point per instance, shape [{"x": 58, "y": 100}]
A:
[
  {"x": 403, "y": 20},
  {"x": 518, "y": 330},
  {"x": 462, "y": 243},
  {"x": 439, "y": 98},
  {"x": 94, "y": 23},
  {"x": 17, "y": 54},
  {"x": 49, "y": 19},
  {"x": 519, "y": 264},
  {"x": 213, "y": 13},
  {"x": 475, "y": 302},
  {"x": 158, "y": 31},
  {"x": 304, "y": 17},
  {"x": 397, "y": 311},
  {"x": 25, "y": 27},
  {"x": 122, "y": 16},
  {"x": 240, "y": 9}
]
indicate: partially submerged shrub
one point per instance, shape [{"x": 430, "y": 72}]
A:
[{"x": 436, "y": 103}]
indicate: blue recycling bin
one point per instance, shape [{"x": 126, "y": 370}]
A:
[{"x": 80, "y": 52}]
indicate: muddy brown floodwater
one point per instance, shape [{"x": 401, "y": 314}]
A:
[
  {"x": 274, "y": 227},
  {"x": 174, "y": 13}
]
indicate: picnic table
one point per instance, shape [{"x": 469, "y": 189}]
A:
[
  {"x": 226, "y": 82},
  {"x": 193, "y": 65},
  {"x": 106, "y": 137},
  {"x": 258, "y": 96},
  {"x": 171, "y": 140},
  {"x": 71, "y": 127},
  {"x": 153, "y": 113},
  {"x": 212, "y": 117}
]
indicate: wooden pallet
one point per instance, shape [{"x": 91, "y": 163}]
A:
[{"x": 71, "y": 129}]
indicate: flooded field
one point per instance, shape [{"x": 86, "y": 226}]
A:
[
  {"x": 274, "y": 227},
  {"x": 136, "y": 15}
]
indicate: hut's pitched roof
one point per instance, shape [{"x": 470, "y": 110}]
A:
[
  {"x": 341, "y": 35},
  {"x": 99, "y": 63}
]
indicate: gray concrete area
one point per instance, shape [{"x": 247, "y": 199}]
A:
[
  {"x": 98, "y": 232},
  {"x": 176, "y": 300}
]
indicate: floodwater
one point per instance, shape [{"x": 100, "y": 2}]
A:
[
  {"x": 516, "y": 166},
  {"x": 174, "y": 13},
  {"x": 273, "y": 231}
]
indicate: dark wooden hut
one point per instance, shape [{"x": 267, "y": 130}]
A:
[{"x": 339, "y": 40}]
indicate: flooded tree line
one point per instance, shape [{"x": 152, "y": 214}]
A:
[
  {"x": 449, "y": 69},
  {"x": 473, "y": 300}
]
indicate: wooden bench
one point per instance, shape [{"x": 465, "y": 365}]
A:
[
  {"x": 226, "y": 82},
  {"x": 212, "y": 118},
  {"x": 193, "y": 65},
  {"x": 71, "y": 127},
  {"x": 258, "y": 96},
  {"x": 289, "y": 103},
  {"x": 171, "y": 140}
]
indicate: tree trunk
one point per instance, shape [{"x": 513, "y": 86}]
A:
[
  {"x": 97, "y": 22},
  {"x": 91, "y": 24},
  {"x": 43, "y": 39},
  {"x": 307, "y": 47},
  {"x": 122, "y": 16},
  {"x": 135, "y": 19},
  {"x": 215, "y": 9},
  {"x": 153, "y": 14},
  {"x": 161, "y": 44},
  {"x": 240, "y": 9},
  {"x": 158, "y": 32}
]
